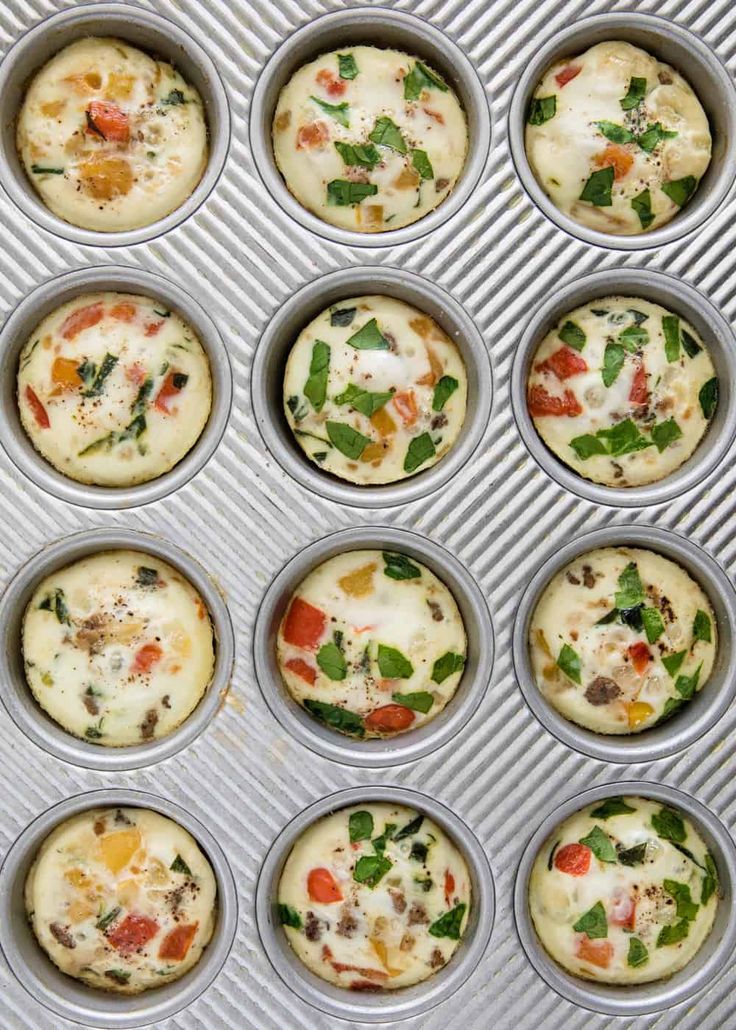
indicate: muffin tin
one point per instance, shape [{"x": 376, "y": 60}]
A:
[{"x": 492, "y": 265}]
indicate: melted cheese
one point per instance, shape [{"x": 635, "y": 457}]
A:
[
  {"x": 113, "y": 389},
  {"x": 118, "y": 648},
  {"x": 401, "y": 386},
  {"x": 122, "y": 899},
  {"x": 407, "y": 123},
  {"x": 111, "y": 138},
  {"x": 635, "y": 933},
  {"x": 368, "y": 653},
  {"x": 378, "y": 912},
  {"x": 632, "y": 670},
  {"x": 632, "y": 365},
  {"x": 590, "y": 130}
]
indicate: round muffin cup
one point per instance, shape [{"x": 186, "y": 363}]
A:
[
  {"x": 70, "y": 998},
  {"x": 387, "y": 1006},
  {"x": 682, "y": 300},
  {"x": 618, "y": 1000},
  {"x": 375, "y": 753},
  {"x": 52, "y": 294},
  {"x": 17, "y": 697},
  {"x": 267, "y": 380},
  {"x": 151, "y": 33},
  {"x": 706, "y": 707},
  {"x": 688, "y": 54},
  {"x": 389, "y": 29}
]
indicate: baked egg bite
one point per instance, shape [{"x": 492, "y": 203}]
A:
[
  {"x": 114, "y": 389},
  {"x": 622, "y": 391},
  {"x": 374, "y": 390},
  {"x": 121, "y": 899},
  {"x": 621, "y": 639},
  {"x": 374, "y": 897},
  {"x": 118, "y": 648},
  {"x": 111, "y": 138},
  {"x": 372, "y": 644},
  {"x": 616, "y": 139},
  {"x": 369, "y": 139},
  {"x": 625, "y": 891}
]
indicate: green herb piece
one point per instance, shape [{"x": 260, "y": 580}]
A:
[
  {"x": 55, "y": 602},
  {"x": 369, "y": 337},
  {"x": 379, "y": 844},
  {"x": 635, "y": 855},
  {"x": 616, "y": 133},
  {"x": 671, "y": 705},
  {"x": 419, "y": 78},
  {"x": 340, "y": 112},
  {"x": 569, "y": 662},
  {"x": 586, "y": 446},
  {"x": 104, "y": 921},
  {"x": 337, "y": 718},
  {"x": 653, "y": 624},
  {"x": 43, "y": 170},
  {"x": 665, "y": 433},
  {"x": 686, "y": 907},
  {"x": 120, "y": 976},
  {"x": 671, "y": 329},
  {"x": 708, "y": 397},
  {"x": 611, "y": 807},
  {"x": 672, "y": 662},
  {"x": 638, "y": 954},
  {"x": 298, "y": 410},
  {"x": 710, "y": 880},
  {"x": 364, "y": 401},
  {"x": 690, "y": 344},
  {"x": 420, "y": 449},
  {"x": 600, "y": 844},
  {"x": 633, "y": 337},
  {"x": 669, "y": 825},
  {"x": 343, "y": 193},
  {"x": 443, "y": 391},
  {"x": 630, "y": 589},
  {"x": 358, "y": 155},
  {"x": 174, "y": 99},
  {"x": 613, "y": 362},
  {"x": 642, "y": 205},
  {"x": 420, "y": 161},
  {"x": 680, "y": 190},
  {"x": 597, "y": 190},
  {"x": 94, "y": 732},
  {"x": 387, "y": 134},
  {"x": 419, "y": 701},
  {"x": 446, "y": 665},
  {"x": 551, "y": 859},
  {"x": 653, "y": 137},
  {"x": 426, "y": 884},
  {"x": 702, "y": 627},
  {"x": 348, "y": 67},
  {"x": 609, "y": 618},
  {"x": 342, "y": 316},
  {"x": 360, "y": 826},
  {"x": 180, "y": 866},
  {"x": 289, "y": 916},
  {"x": 410, "y": 829},
  {"x": 541, "y": 109},
  {"x": 687, "y": 685},
  {"x": 332, "y": 662},
  {"x": 370, "y": 869},
  {"x": 393, "y": 665},
  {"x": 348, "y": 441},
  {"x": 146, "y": 577},
  {"x": 418, "y": 851},
  {"x": 673, "y": 934},
  {"x": 593, "y": 922},
  {"x": 448, "y": 925},
  {"x": 93, "y": 377},
  {"x": 398, "y": 566},
  {"x": 635, "y": 94},
  {"x": 315, "y": 388},
  {"x": 572, "y": 335},
  {"x": 638, "y": 316}
]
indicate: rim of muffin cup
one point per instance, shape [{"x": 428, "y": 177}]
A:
[
  {"x": 25, "y": 318},
  {"x": 376, "y": 752},
  {"x": 386, "y": 1006},
  {"x": 683, "y": 300},
  {"x": 387, "y": 29},
  {"x": 149, "y": 32},
  {"x": 17, "y": 697},
  {"x": 63, "y": 994},
  {"x": 642, "y": 999},
  {"x": 687, "y": 53},
  {"x": 279, "y": 337},
  {"x": 707, "y": 705}
]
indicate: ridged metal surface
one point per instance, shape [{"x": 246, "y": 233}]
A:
[{"x": 242, "y": 517}]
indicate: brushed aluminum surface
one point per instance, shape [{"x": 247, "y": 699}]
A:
[{"x": 242, "y": 256}]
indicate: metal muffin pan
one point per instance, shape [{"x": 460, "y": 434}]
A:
[
  {"x": 673, "y": 44},
  {"x": 267, "y": 379},
  {"x": 678, "y": 297},
  {"x": 660, "y": 995},
  {"x": 707, "y": 706},
  {"x": 384, "y": 1006},
  {"x": 52, "y": 294},
  {"x": 141, "y": 28},
  {"x": 17, "y": 697},
  {"x": 376, "y": 753},
  {"x": 381, "y": 27},
  {"x": 69, "y": 998}
]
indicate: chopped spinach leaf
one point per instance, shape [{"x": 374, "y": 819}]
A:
[
  {"x": 289, "y": 916},
  {"x": 180, "y": 866},
  {"x": 638, "y": 953},
  {"x": 653, "y": 136},
  {"x": 446, "y": 665},
  {"x": 586, "y": 446},
  {"x": 665, "y": 433},
  {"x": 541, "y": 109},
  {"x": 418, "y": 701},
  {"x": 633, "y": 337},
  {"x": 616, "y": 133},
  {"x": 342, "y": 316},
  {"x": 104, "y": 921},
  {"x": 410, "y": 829},
  {"x": 370, "y": 869},
  {"x": 55, "y": 602},
  {"x": 569, "y": 662},
  {"x": 708, "y": 397},
  {"x": 422, "y": 164},
  {"x": 653, "y": 624},
  {"x": 332, "y": 662},
  {"x": 393, "y": 664},
  {"x": 635, "y": 855},
  {"x": 687, "y": 685},
  {"x": 95, "y": 385},
  {"x": 673, "y": 934},
  {"x": 368, "y": 337},
  {"x": 338, "y": 718},
  {"x": 386, "y": 133},
  {"x": 671, "y": 330},
  {"x": 398, "y": 566},
  {"x": 362, "y": 400},
  {"x": 358, "y": 155},
  {"x": 690, "y": 344},
  {"x": 672, "y": 662},
  {"x": 315, "y": 388},
  {"x": 343, "y": 193},
  {"x": 593, "y": 923},
  {"x": 174, "y": 99},
  {"x": 642, "y": 205},
  {"x": 610, "y": 807},
  {"x": 448, "y": 925},
  {"x": 420, "y": 449},
  {"x": 340, "y": 112},
  {"x": 635, "y": 94},
  {"x": 600, "y": 844},
  {"x": 360, "y": 826},
  {"x": 597, "y": 189},
  {"x": 572, "y": 335},
  {"x": 669, "y": 825},
  {"x": 44, "y": 170},
  {"x": 686, "y": 907},
  {"x": 630, "y": 588},
  {"x": 347, "y": 65},
  {"x": 347, "y": 440},
  {"x": 702, "y": 627},
  {"x": 680, "y": 190},
  {"x": 443, "y": 391},
  {"x": 419, "y": 78},
  {"x": 613, "y": 362},
  {"x": 710, "y": 880}
]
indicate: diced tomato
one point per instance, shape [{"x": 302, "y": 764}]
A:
[
  {"x": 564, "y": 363},
  {"x": 133, "y": 933},
  {"x": 315, "y": 134},
  {"x": 329, "y": 81},
  {"x": 639, "y": 394},
  {"x": 82, "y": 318},
  {"x": 322, "y": 886},
  {"x": 304, "y": 625},
  {"x": 364, "y": 985},
  {"x": 107, "y": 120},
  {"x": 169, "y": 390},
  {"x": 542, "y": 403},
  {"x": 573, "y": 859},
  {"x": 568, "y": 74},
  {"x": 64, "y": 374},
  {"x": 342, "y": 967},
  {"x": 124, "y": 311},
  {"x": 146, "y": 658},
  {"x": 153, "y": 327},
  {"x": 39, "y": 412},
  {"x": 640, "y": 656},
  {"x": 598, "y": 952},
  {"x": 135, "y": 373},
  {"x": 303, "y": 669},
  {"x": 178, "y": 941},
  {"x": 449, "y": 887},
  {"x": 390, "y": 718},
  {"x": 406, "y": 405},
  {"x": 617, "y": 157},
  {"x": 623, "y": 911}
]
